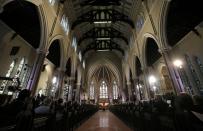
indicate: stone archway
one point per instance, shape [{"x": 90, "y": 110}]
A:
[
  {"x": 27, "y": 29},
  {"x": 24, "y": 18},
  {"x": 182, "y": 17},
  {"x": 50, "y": 80}
]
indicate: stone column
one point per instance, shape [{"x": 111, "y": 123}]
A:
[
  {"x": 77, "y": 95},
  {"x": 146, "y": 83},
  {"x": 71, "y": 83},
  {"x": 135, "y": 92},
  {"x": 171, "y": 70},
  {"x": 61, "y": 74},
  {"x": 129, "y": 91},
  {"x": 36, "y": 71}
]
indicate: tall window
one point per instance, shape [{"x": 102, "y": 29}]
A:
[
  {"x": 103, "y": 90},
  {"x": 194, "y": 73},
  {"x": 115, "y": 90},
  {"x": 83, "y": 64},
  {"x": 80, "y": 56},
  {"x": 74, "y": 43},
  {"x": 52, "y": 2},
  {"x": 199, "y": 63},
  {"x": 92, "y": 91},
  {"x": 20, "y": 67},
  {"x": 139, "y": 22},
  {"x": 8, "y": 74},
  {"x": 65, "y": 24},
  {"x": 19, "y": 73}
]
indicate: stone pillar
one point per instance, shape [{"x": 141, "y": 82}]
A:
[
  {"x": 129, "y": 91},
  {"x": 77, "y": 95},
  {"x": 135, "y": 92},
  {"x": 71, "y": 83},
  {"x": 36, "y": 71},
  {"x": 171, "y": 70},
  {"x": 61, "y": 74},
  {"x": 146, "y": 84}
]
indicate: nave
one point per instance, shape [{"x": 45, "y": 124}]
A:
[
  {"x": 63, "y": 60},
  {"x": 103, "y": 121}
]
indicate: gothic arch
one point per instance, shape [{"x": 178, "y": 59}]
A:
[
  {"x": 182, "y": 17},
  {"x": 55, "y": 53},
  {"x": 60, "y": 40},
  {"x": 148, "y": 37},
  {"x": 32, "y": 14}
]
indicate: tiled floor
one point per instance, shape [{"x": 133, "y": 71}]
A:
[{"x": 103, "y": 121}]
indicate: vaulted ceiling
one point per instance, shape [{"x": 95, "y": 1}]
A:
[{"x": 102, "y": 25}]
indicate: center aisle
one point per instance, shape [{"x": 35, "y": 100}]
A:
[{"x": 103, "y": 121}]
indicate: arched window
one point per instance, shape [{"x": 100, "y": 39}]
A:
[
  {"x": 139, "y": 22},
  {"x": 83, "y": 64},
  {"x": 92, "y": 91},
  {"x": 8, "y": 74},
  {"x": 199, "y": 63},
  {"x": 67, "y": 90},
  {"x": 80, "y": 56},
  {"x": 74, "y": 44},
  {"x": 52, "y": 2},
  {"x": 20, "y": 67},
  {"x": 65, "y": 24},
  {"x": 115, "y": 90},
  {"x": 103, "y": 90},
  {"x": 194, "y": 73}
]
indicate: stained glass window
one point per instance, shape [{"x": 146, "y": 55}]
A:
[
  {"x": 65, "y": 24},
  {"x": 8, "y": 74},
  {"x": 74, "y": 44},
  {"x": 199, "y": 63},
  {"x": 20, "y": 67},
  {"x": 52, "y": 2},
  {"x": 139, "y": 22},
  {"x": 194, "y": 73},
  {"x": 103, "y": 90}
]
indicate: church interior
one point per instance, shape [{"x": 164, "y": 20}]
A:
[{"x": 101, "y": 65}]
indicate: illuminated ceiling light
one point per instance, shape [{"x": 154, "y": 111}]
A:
[
  {"x": 178, "y": 63},
  {"x": 102, "y": 22},
  {"x": 152, "y": 79},
  {"x": 103, "y": 38}
]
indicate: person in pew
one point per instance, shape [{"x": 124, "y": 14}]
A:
[
  {"x": 59, "y": 107},
  {"x": 185, "y": 119},
  {"x": 17, "y": 105},
  {"x": 198, "y": 104},
  {"x": 44, "y": 108}
]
